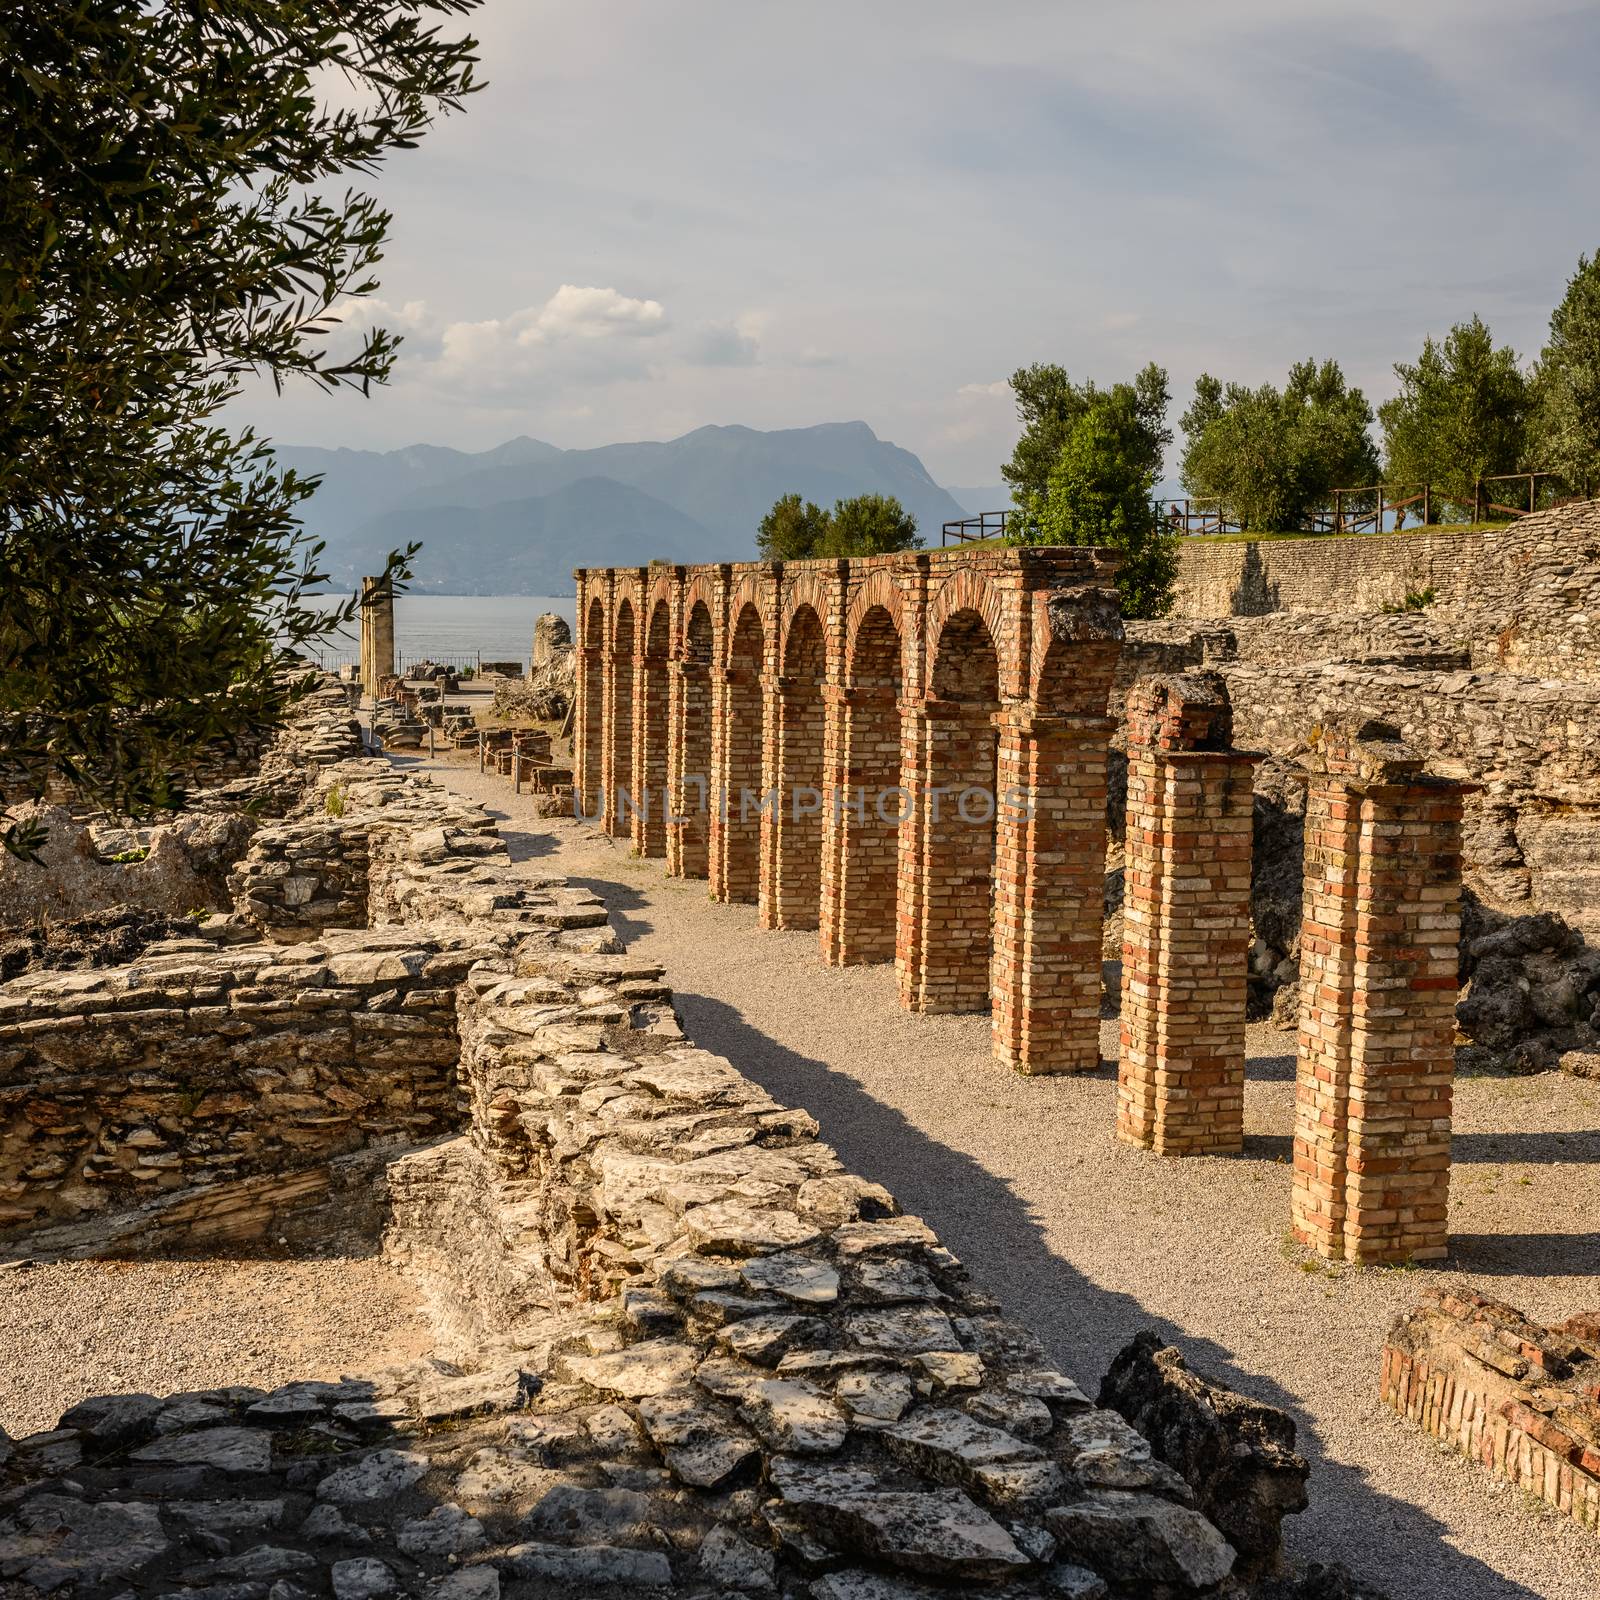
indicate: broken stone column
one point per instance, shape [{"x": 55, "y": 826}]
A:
[
  {"x": 1377, "y": 1001},
  {"x": 377, "y": 634},
  {"x": 550, "y": 636},
  {"x": 1185, "y": 920}
]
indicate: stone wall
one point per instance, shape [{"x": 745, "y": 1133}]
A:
[
  {"x": 1520, "y": 1399},
  {"x": 198, "y": 1065},
  {"x": 687, "y": 1347},
  {"x": 1514, "y": 569}
]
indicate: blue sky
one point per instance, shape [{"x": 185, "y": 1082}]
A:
[{"x": 662, "y": 215}]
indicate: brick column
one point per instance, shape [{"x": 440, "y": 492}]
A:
[
  {"x": 621, "y": 741},
  {"x": 942, "y": 945},
  {"x": 860, "y": 825},
  {"x": 736, "y": 762},
  {"x": 1185, "y": 921},
  {"x": 1377, "y": 1003},
  {"x": 588, "y": 725},
  {"x": 1049, "y": 899},
  {"x": 689, "y": 769},
  {"x": 648, "y": 818},
  {"x": 789, "y": 893}
]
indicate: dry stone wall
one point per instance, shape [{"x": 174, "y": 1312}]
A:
[
  {"x": 1525, "y": 574},
  {"x": 688, "y": 1351}
]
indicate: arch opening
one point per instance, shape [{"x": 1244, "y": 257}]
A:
[
  {"x": 650, "y": 822},
  {"x": 791, "y": 827},
  {"x": 736, "y": 821},
  {"x": 592, "y": 731},
  {"x": 868, "y": 805},
  {"x": 692, "y": 769},
  {"x": 958, "y": 818},
  {"x": 619, "y": 696}
]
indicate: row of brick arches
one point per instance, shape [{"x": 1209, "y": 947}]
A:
[{"x": 906, "y": 753}]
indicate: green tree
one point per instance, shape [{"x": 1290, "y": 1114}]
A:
[
  {"x": 1100, "y": 492},
  {"x": 1271, "y": 456},
  {"x": 1461, "y": 414},
  {"x": 867, "y": 525},
  {"x": 870, "y": 525},
  {"x": 793, "y": 530},
  {"x": 1565, "y": 433},
  {"x": 162, "y": 168},
  {"x": 1049, "y": 403}
]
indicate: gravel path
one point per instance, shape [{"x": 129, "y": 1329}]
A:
[
  {"x": 76, "y": 1328},
  {"x": 1087, "y": 1240}
]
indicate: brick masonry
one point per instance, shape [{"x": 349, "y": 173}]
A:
[
  {"x": 1378, "y": 979},
  {"x": 905, "y": 753},
  {"x": 1186, "y": 921},
  {"x": 1520, "y": 1399}
]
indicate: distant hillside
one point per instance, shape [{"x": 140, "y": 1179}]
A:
[
  {"x": 517, "y": 514},
  {"x": 984, "y": 497},
  {"x": 530, "y": 546}
]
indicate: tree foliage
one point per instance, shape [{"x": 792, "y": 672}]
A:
[
  {"x": 1273, "y": 455},
  {"x": 865, "y": 525},
  {"x": 1461, "y": 414},
  {"x": 1100, "y": 492},
  {"x": 167, "y": 230},
  {"x": 1566, "y": 388},
  {"x": 1049, "y": 404}
]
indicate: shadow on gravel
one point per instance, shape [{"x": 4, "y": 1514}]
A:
[
  {"x": 1082, "y": 1324},
  {"x": 1576, "y": 1145},
  {"x": 622, "y": 899},
  {"x": 1270, "y": 1069},
  {"x": 1527, "y": 1255}
]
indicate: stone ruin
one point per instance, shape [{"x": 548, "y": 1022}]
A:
[{"x": 680, "y": 1348}]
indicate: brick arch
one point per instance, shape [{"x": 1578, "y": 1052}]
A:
[
  {"x": 702, "y": 590},
  {"x": 657, "y": 636},
  {"x": 746, "y": 591},
  {"x": 967, "y": 591},
  {"x": 595, "y": 629},
  {"x": 881, "y": 592},
  {"x": 662, "y": 591},
  {"x": 808, "y": 588},
  {"x": 797, "y": 619}
]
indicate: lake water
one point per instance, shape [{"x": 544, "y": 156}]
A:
[{"x": 456, "y": 627}]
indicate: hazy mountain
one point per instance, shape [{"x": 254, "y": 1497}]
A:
[
  {"x": 529, "y": 546},
  {"x": 696, "y": 498}
]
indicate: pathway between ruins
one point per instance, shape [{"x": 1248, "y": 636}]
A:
[{"x": 1088, "y": 1240}]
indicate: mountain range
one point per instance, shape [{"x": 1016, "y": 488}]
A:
[{"x": 518, "y": 518}]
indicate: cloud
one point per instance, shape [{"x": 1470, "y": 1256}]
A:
[
  {"x": 582, "y": 333},
  {"x": 994, "y": 390},
  {"x": 724, "y": 344},
  {"x": 589, "y": 313}
]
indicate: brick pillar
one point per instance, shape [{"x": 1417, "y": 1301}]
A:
[
  {"x": 791, "y": 827},
  {"x": 861, "y": 825},
  {"x": 736, "y": 761},
  {"x": 946, "y": 859},
  {"x": 689, "y": 761},
  {"x": 589, "y": 731},
  {"x": 620, "y": 738},
  {"x": 1377, "y": 1003},
  {"x": 1185, "y": 921},
  {"x": 1049, "y": 902},
  {"x": 650, "y": 735}
]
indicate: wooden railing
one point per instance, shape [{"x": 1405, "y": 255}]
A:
[
  {"x": 990, "y": 525},
  {"x": 1381, "y": 507}
]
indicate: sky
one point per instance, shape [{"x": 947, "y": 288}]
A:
[{"x": 665, "y": 213}]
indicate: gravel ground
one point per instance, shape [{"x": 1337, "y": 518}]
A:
[
  {"x": 1087, "y": 1240},
  {"x": 76, "y": 1328}
]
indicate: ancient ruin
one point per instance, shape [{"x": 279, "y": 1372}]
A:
[
  {"x": 876, "y": 749},
  {"x": 678, "y": 1345}
]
